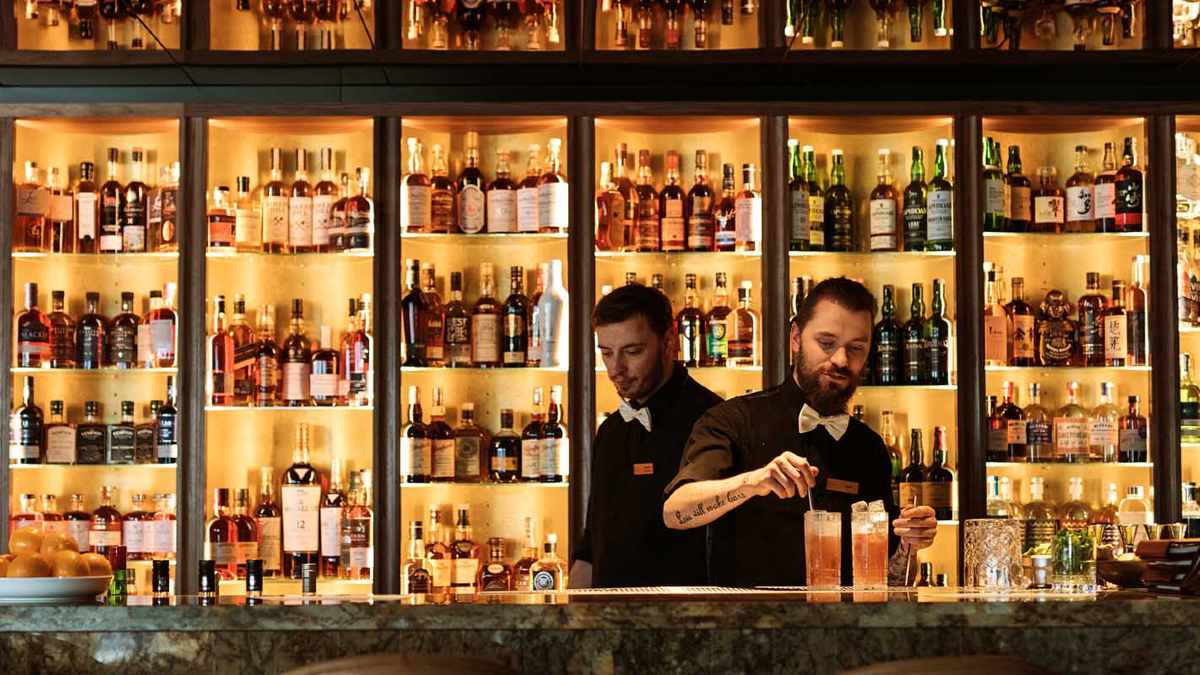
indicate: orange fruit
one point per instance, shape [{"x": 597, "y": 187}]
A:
[
  {"x": 97, "y": 564},
  {"x": 25, "y": 540},
  {"x": 53, "y": 543},
  {"x": 67, "y": 563},
  {"x": 28, "y": 565}
]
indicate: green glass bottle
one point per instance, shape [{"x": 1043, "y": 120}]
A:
[
  {"x": 915, "y": 204},
  {"x": 939, "y": 234},
  {"x": 839, "y": 208}
]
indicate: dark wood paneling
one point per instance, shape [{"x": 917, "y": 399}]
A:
[
  {"x": 1159, "y": 163},
  {"x": 581, "y": 282},
  {"x": 193, "y": 457},
  {"x": 968, "y": 270},
  {"x": 197, "y": 18},
  {"x": 386, "y": 356},
  {"x": 8, "y": 31},
  {"x": 966, "y": 24},
  {"x": 776, "y": 236},
  {"x": 587, "y": 30},
  {"x": 7, "y": 195},
  {"x": 389, "y": 25},
  {"x": 1159, "y": 29}
]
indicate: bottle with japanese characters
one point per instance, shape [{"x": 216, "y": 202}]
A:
[
  {"x": 1092, "y": 308},
  {"x": 1129, "y": 190},
  {"x": 1081, "y": 212},
  {"x": 1049, "y": 202},
  {"x": 1021, "y": 319}
]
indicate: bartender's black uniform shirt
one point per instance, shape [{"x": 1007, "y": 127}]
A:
[
  {"x": 761, "y": 543},
  {"x": 624, "y": 537}
]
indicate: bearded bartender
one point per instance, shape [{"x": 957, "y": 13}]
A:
[{"x": 751, "y": 461}]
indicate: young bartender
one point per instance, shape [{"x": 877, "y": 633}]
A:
[
  {"x": 637, "y": 451},
  {"x": 751, "y": 461}
]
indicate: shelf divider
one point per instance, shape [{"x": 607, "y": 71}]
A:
[
  {"x": 581, "y": 261},
  {"x": 7, "y": 206},
  {"x": 776, "y": 264},
  {"x": 386, "y": 354},
  {"x": 1163, "y": 317}
]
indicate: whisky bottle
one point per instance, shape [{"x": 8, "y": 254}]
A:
[
  {"x": 1115, "y": 328},
  {"x": 670, "y": 207},
  {"x": 167, "y": 425},
  {"x": 416, "y": 195},
  {"x": 62, "y": 333},
  {"x": 91, "y": 335},
  {"x": 531, "y": 441},
  {"x": 913, "y": 339},
  {"x": 457, "y": 323},
  {"x": 413, "y": 312},
  {"x": 887, "y": 430},
  {"x": 649, "y": 228},
  {"x": 359, "y": 232},
  {"x": 743, "y": 334},
  {"x": 553, "y": 193},
  {"x": 725, "y": 212},
  {"x": 300, "y": 208},
  {"x": 122, "y": 437},
  {"x": 160, "y": 324},
  {"x": 247, "y": 220},
  {"x": 32, "y": 209},
  {"x": 548, "y": 573},
  {"x": 554, "y": 440},
  {"x": 441, "y": 442},
  {"x": 515, "y": 341},
  {"x": 275, "y": 207},
  {"x": 994, "y": 207},
  {"x": 995, "y": 326},
  {"x": 145, "y": 433},
  {"x": 798, "y": 191},
  {"x": 1038, "y": 442},
  {"x": 105, "y": 528},
  {"x": 91, "y": 439},
  {"x": 27, "y": 516},
  {"x": 416, "y": 575},
  {"x": 552, "y": 319},
  {"x": 885, "y": 358},
  {"x": 266, "y": 360},
  {"x": 268, "y": 523},
  {"x": 330, "y": 516},
  {"x": 935, "y": 331},
  {"x": 1129, "y": 190},
  {"x": 997, "y": 443},
  {"x": 504, "y": 451},
  {"x": 1015, "y": 425},
  {"x": 221, "y": 219},
  {"x": 112, "y": 205},
  {"x": 324, "y": 379},
  {"x": 87, "y": 208},
  {"x": 912, "y": 479},
  {"x": 469, "y": 189},
  {"x": 645, "y": 24},
  {"x": 33, "y": 333},
  {"x": 247, "y": 532},
  {"x": 356, "y": 353},
  {"x": 1071, "y": 428},
  {"x": 688, "y": 325},
  {"x": 1135, "y": 314},
  {"x": 1049, "y": 203},
  {"x": 748, "y": 212},
  {"x": 123, "y": 335},
  {"x": 60, "y": 438},
  {"x": 464, "y": 552},
  {"x": 939, "y": 481},
  {"x": 609, "y": 208},
  {"x": 1092, "y": 308},
  {"x": 507, "y": 14},
  {"x": 328, "y": 13},
  {"x": 486, "y": 332},
  {"x": 883, "y": 208},
  {"x": 303, "y": 14},
  {"x": 496, "y": 575},
  {"x": 1104, "y": 427},
  {"x": 1133, "y": 430},
  {"x": 27, "y": 428},
  {"x": 916, "y": 204},
  {"x": 1021, "y": 323},
  {"x": 52, "y": 520},
  {"x": 78, "y": 523},
  {"x": 1105, "y": 192},
  {"x": 940, "y": 233},
  {"x": 470, "y": 446},
  {"x": 296, "y": 360},
  {"x": 300, "y": 495},
  {"x": 438, "y": 554},
  {"x": 527, "y": 192},
  {"x": 220, "y": 357},
  {"x": 1075, "y": 512},
  {"x": 716, "y": 326},
  {"x": 816, "y": 200},
  {"x": 839, "y": 207},
  {"x": 356, "y": 562},
  {"x": 502, "y": 198},
  {"x": 60, "y": 223},
  {"x": 221, "y": 544},
  {"x": 134, "y": 209},
  {"x": 1020, "y": 191},
  {"x": 698, "y": 207},
  {"x": 1081, "y": 215},
  {"x": 522, "y": 569}
]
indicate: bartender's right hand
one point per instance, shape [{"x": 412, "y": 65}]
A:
[{"x": 788, "y": 475}]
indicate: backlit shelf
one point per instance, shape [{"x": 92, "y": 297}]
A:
[
  {"x": 1190, "y": 446},
  {"x": 1188, "y": 328},
  {"x": 479, "y": 371},
  {"x": 695, "y": 255},
  {"x": 1066, "y": 237},
  {"x": 286, "y": 409},
  {"x": 96, "y": 258},
  {"x": 94, "y": 372},
  {"x": 1079, "y": 466},
  {"x": 90, "y": 467},
  {"x": 949, "y": 523},
  {"x": 709, "y": 369},
  {"x": 1067, "y": 369},
  {"x": 277, "y": 589},
  {"x": 486, "y": 238},
  {"x": 908, "y": 387},
  {"x": 486, "y": 485},
  {"x": 863, "y": 257},
  {"x": 303, "y": 258}
]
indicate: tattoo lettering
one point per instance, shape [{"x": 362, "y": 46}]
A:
[
  {"x": 704, "y": 508},
  {"x": 682, "y": 518},
  {"x": 902, "y": 566}
]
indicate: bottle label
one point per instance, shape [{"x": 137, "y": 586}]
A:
[
  {"x": 417, "y": 200},
  {"x": 887, "y": 362},
  {"x": 270, "y": 530},
  {"x": 220, "y": 229},
  {"x": 85, "y": 218},
  {"x": 485, "y": 338},
  {"x": 322, "y": 218},
  {"x": 440, "y": 572},
  {"x": 800, "y": 220},
  {"x": 937, "y": 495},
  {"x": 1103, "y": 433},
  {"x": 295, "y": 381},
  {"x": 718, "y": 343},
  {"x": 324, "y": 385},
  {"x": 80, "y": 531},
  {"x": 995, "y": 338},
  {"x": 224, "y": 553},
  {"x": 673, "y": 238},
  {"x": 441, "y": 210},
  {"x": 883, "y": 224},
  {"x": 1070, "y": 435},
  {"x": 246, "y": 550},
  {"x": 416, "y": 452},
  {"x": 90, "y": 343},
  {"x": 941, "y": 216},
  {"x": 104, "y": 538},
  {"x": 550, "y": 457},
  {"x": 994, "y": 196},
  {"x": 300, "y": 226},
  {"x": 356, "y": 533},
  {"x": 301, "y": 517},
  {"x": 912, "y": 493},
  {"x": 247, "y": 227},
  {"x": 470, "y": 209},
  {"x": 816, "y": 220},
  {"x": 160, "y": 535},
  {"x": 275, "y": 219},
  {"x": 1133, "y": 444},
  {"x": 1106, "y": 200},
  {"x": 134, "y": 535},
  {"x": 1129, "y": 202},
  {"x": 466, "y": 457},
  {"x": 442, "y": 457},
  {"x": 1116, "y": 342},
  {"x": 1022, "y": 207},
  {"x": 60, "y": 445},
  {"x": 531, "y": 458},
  {"x": 168, "y": 443},
  {"x": 998, "y": 442},
  {"x": 1079, "y": 203},
  {"x": 1022, "y": 338},
  {"x": 726, "y": 239},
  {"x": 748, "y": 220},
  {"x": 502, "y": 211},
  {"x": 553, "y": 206},
  {"x": 504, "y": 463},
  {"x": 1017, "y": 430},
  {"x": 162, "y": 340},
  {"x": 1048, "y": 210},
  {"x": 545, "y": 580},
  {"x": 527, "y": 209},
  {"x": 464, "y": 573},
  {"x": 331, "y": 530}
]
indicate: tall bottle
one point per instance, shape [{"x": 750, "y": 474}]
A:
[
  {"x": 995, "y": 326},
  {"x": 1135, "y": 314},
  {"x": 1105, "y": 191},
  {"x": 221, "y": 543},
  {"x": 1081, "y": 210},
  {"x": 415, "y": 197},
  {"x": 1071, "y": 428},
  {"x": 816, "y": 201},
  {"x": 940, "y": 233},
  {"x": 798, "y": 191},
  {"x": 502, "y": 198},
  {"x": 456, "y": 323},
  {"x": 267, "y": 517},
  {"x": 688, "y": 326},
  {"x": 670, "y": 208},
  {"x": 839, "y": 207},
  {"x": 300, "y": 494},
  {"x": 1041, "y": 517},
  {"x": 916, "y": 204},
  {"x": 515, "y": 342},
  {"x": 134, "y": 214},
  {"x": 531, "y": 441},
  {"x": 412, "y": 315},
  {"x": 527, "y": 192},
  {"x": 441, "y": 195},
  {"x": 220, "y": 365},
  {"x": 886, "y": 363},
  {"x": 296, "y": 360},
  {"x": 716, "y": 325},
  {"x": 324, "y": 195},
  {"x": 415, "y": 573},
  {"x": 743, "y": 333},
  {"x": 330, "y": 516},
  {"x": 91, "y": 336},
  {"x": 554, "y": 440},
  {"x": 912, "y": 479},
  {"x": 647, "y": 222},
  {"x": 725, "y": 212},
  {"x": 1189, "y": 402},
  {"x": 1092, "y": 308},
  {"x": 939, "y": 481},
  {"x": 887, "y": 430},
  {"x": 1020, "y": 192},
  {"x": 87, "y": 209},
  {"x": 167, "y": 424},
  {"x": 441, "y": 442},
  {"x": 1022, "y": 350},
  {"x": 748, "y": 211},
  {"x": 274, "y": 196},
  {"x": 553, "y": 193},
  {"x": 247, "y": 528},
  {"x": 698, "y": 209},
  {"x": 1129, "y": 190},
  {"x": 415, "y": 443},
  {"x": 27, "y": 429},
  {"x": 356, "y": 551},
  {"x": 33, "y": 332},
  {"x": 360, "y": 214},
  {"x": 994, "y": 207},
  {"x": 883, "y": 229},
  {"x": 935, "y": 363},
  {"x": 912, "y": 335},
  {"x": 469, "y": 188},
  {"x": 300, "y": 208},
  {"x": 553, "y": 318},
  {"x": 486, "y": 333}
]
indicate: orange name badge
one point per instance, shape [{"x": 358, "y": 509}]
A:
[
  {"x": 643, "y": 469},
  {"x": 847, "y": 486}
]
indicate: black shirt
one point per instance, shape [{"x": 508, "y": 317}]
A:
[
  {"x": 625, "y": 538},
  {"x": 761, "y": 543}
]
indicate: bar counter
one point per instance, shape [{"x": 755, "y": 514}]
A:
[{"x": 653, "y": 630}]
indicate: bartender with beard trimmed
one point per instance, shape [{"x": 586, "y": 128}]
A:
[
  {"x": 751, "y": 461},
  {"x": 637, "y": 451}
]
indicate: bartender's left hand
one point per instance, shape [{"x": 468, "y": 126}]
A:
[{"x": 916, "y": 527}]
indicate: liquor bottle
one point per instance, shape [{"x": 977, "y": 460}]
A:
[
  {"x": 552, "y": 318},
  {"x": 106, "y": 524},
  {"x": 716, "y": 326},
  {"x": 913, "y": 339},
  {"x": 60, "y": 224},
  {"x": 883, "y": 17},
  {"x": 415, "y": 197},
  {"x": 995, "y": 326},
  {"x": 330, "y": 516},
  {"x": 413, "y": 311},
  {"x": 296, "y": 360},
  {"x": 1021, "y": 325},
  {"x": 912, "y": 479},
  {"x": 32, "y": 209},
  {"x": 1129, "y": 190},
  {"x": 265, "y": 370},
  {"x": 416, "y": 575},
  {"x": 145, "y": 433},
  {"x": 438, "y": 554},
  {"x": 222, "y": 223},
  {"x": 60, "y": 438},
  {"x": 997, "y": 433},
  {"x": 268, "y": 523},
  {"x": 324, "y": 195},
  {"x": 940, "y": 233},
  {"x": 698, "y": 209},
  {"x": 496, "y": 575},
  {"x": 515, "y": 340},
  {"x": 122, "y": 437},
  {"x": 688, "y": 326},
  {"x": 112, "y": 205},
  {"x": 935, "y": 331},
  {"x": 303, "y": 14},
  {"x": 324, "y": 376},
  {"x": 1056, "y": 332},
  {"x": 1093, "y": 307},
  {"x": 62, "y": 333},
  {"x": 670, "y": 208},
  {"x": 300, "y": 208},
  {"x": 1081, "y": 213},
  {"x": 1135, "y": 314},
  {"x": 167, "y": 423},
  {"x": 457, "y": 324},
  {"x": 507, "y": 15},
  {"x": 1134, "y": 509},
  {"x": 531, "y": 441},
  {"x": 839, "y": 207},
  {"x": 441, "y": 195},
  {"x": 1020, "y": 191},
  {"x": 527, "y": 192},
  {"x": 1105, "y": 191},
  {"x": 916, "y": 204},
  {"x": 610, "y": 230},
  {"x": 1115, "y": 328},
  {"x": 163, "y": 217},
  {"x": 134, "y": 207},
  {"x": 161, "y": 323},
  {"x": 431, "y": 322},
  {"x": 470, "y": 444},
  {"x": 646, "y": 219},
  {"x": 748, "y": 212},
  {"x": 549, "y": 573},
  {"x": 1103, "y": 427},
  {"x": 553, "y": 193},
  {"x": 1049, "y": 203},
  {"x": 743, "y": 333},
  {"x": 91, "y": 336},
  {"x": 883, "y": 230},
  {"x": 221, "y": 544},
  {"x": 52, "y": 520},
  {"x": 247, "y": 220},
  {"x": 837, "y": 22},
  {"x": 356, "y": 536},
  {"x": 470, "y": 20},
  {"x": 1041, "y": 517},
  {"x": 993, "y": 189},
  {"x": 27, "y": 429},
  {"x": 725, "y": 212},
  {"x": 486, "y": 333},
  {"x": 1106, "y": 518},
  {"x": 502, "y": 198},
  {"x": 553, "y": 439},
  {"x": 1015, "y": 425},
  {"x": 357, "y": 351},
  {"x": 1071, "y": 428},
  {"x": 816, "y": 200},
  {"x": 522, "y": 569},
  {"x": 504, "y": 451},
  {"x": 300, "y": 495},
  {"x": 220, "y": 364},
  {"x": 78, "y": 523},
  {"x": 469, "y": 189},
  {"x": 247, "y": 532},
  {"x": 33, "y": 332},
  {"x": 939, "y": 481},
  {"x": 1075, "y": 513},
  {"x": 86, "y": 207},
  {"x": 1132, "y": 435},
  {"x": 360, "y": 214},
  {"x": 887, "y": 430},
  {"x": 275, "y": 206},
  {"x": 798, "y": 193},
  {"x": 91, "y": 437},
  {"x": 997, "y": 506},
  {"x": 464, "y": 552}
]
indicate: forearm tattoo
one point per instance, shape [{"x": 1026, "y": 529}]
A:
[
  {"x": 704, "y": 508},
  {"x": 903, "y": 560}
]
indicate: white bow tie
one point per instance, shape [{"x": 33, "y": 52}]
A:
[
  {"x": 641, "y": 414},
  {"x": 836, "y": 425}
]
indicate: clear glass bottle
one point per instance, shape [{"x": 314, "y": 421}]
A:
[
  {"x": 416, "y": 576},
  {"x": 437, "y": 553},
  {"x": 1104, "y": 427},
  {"x": 1075, "y": 513},
  {"x": 549, "y": 573},
  {"x": 1041, "y": 519},
  {"x": 1071, "y": 428},
  {"x": 1134, "y": 508}
]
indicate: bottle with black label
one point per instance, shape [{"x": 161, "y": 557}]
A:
[
  {"x": 91, "y": 437},
  {"x": 168, "y": 432},
  {"x": 549, "y": 573},
  {"x": 885, "y": 363},
  {"x": 123, "y": 335},
  {"x": 122, "y": 438},
  {"x": 27, "y": 429},
  {"x": 91, "y": 335}
]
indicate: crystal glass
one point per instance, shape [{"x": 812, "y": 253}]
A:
[
  {"x": 1073, "y": 564},
  {"x": 992, "y": 554},
  {"x": 823, "y": 549},
  {"x": 869, "y": 542}
]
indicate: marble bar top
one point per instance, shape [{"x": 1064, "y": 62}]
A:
[{"x": 655, "y": 609}]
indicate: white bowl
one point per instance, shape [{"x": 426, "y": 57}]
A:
[{"x": 51, "y": 590}]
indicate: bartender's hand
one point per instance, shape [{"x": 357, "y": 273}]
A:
[
  {"x": 788, "y": 475},
  {"x": 916, "y": 527}
]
